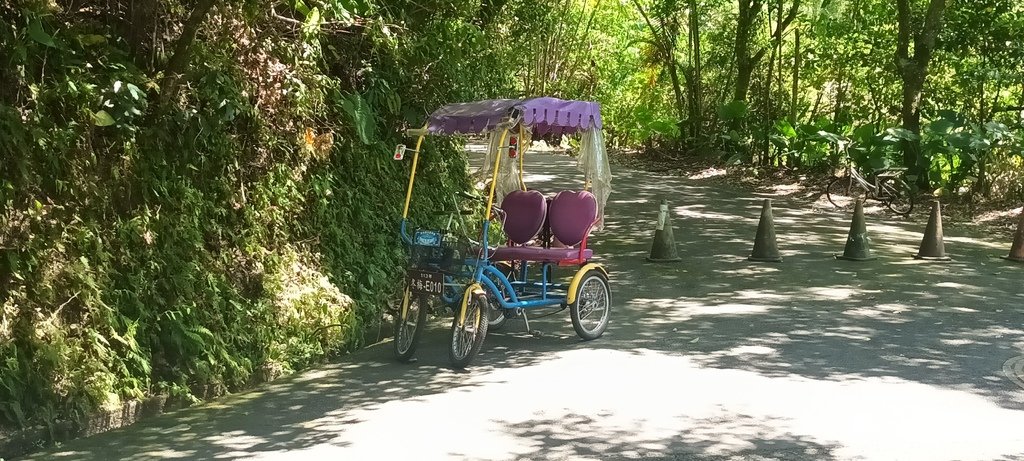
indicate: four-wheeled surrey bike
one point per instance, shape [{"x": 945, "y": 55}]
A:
[{"x": 480, "y": 284}]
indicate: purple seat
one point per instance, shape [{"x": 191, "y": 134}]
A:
[
  {"x": 571, "y": 216},
  {"x": 524, "y": 215}
]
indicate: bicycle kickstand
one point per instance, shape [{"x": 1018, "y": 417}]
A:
[{"x": 534, "y": 333}]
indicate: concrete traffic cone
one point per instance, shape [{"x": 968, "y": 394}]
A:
[
  {"x": 1017, "y": 250},
  {"x": 858, "y": 245},
  {"x": 932, "y": 246},
  {"x": 663, "y": 249},
  {"x": 765, "y": 247}
]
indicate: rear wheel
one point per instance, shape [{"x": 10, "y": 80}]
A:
[
  {"x": 468, "y": 337},
  {"x": 844, "y": 191},
  {"x": 495, "y": 314},
  {"x": 410, "y": 320},
  {"x": 590, "y": 309},
  {"x": 900, "y": 195}
]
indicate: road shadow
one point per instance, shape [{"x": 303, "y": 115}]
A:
[{"x": 712, "y": 357}]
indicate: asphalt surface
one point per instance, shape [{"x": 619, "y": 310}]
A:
[{"x": 710, "y": 358}]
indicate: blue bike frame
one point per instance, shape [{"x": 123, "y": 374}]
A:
[{"x": 520, "y": 294}]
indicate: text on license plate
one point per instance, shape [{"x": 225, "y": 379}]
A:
[{"x": 426, "y": 282}]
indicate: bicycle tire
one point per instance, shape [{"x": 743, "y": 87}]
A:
[
  {"x": 592, "y": 290},
  {"x": 466, "y": 340},
  {"x": 408, "y": 328},
  {"x": 843, "y": 191},
  {"x": 901, "y": 200}
]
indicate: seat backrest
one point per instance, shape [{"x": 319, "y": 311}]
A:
[
  {"x": 524, "y": 214},
  {"x": 571, "y": 216}
]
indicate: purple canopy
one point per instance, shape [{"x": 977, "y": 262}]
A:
[{"x": 544, "y": 115}]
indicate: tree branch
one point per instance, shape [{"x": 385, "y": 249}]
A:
[
  {"x": 658, "y": 34},
  {"x": 790, "y": 17},
  {"x": 903, "y": 36},
  {"x": 179, "y": 60},
  {"x": 925, "y": 43}
]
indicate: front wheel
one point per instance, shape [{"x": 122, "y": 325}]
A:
[
  {"x": 468, "y": 335},
  {"x": 410, "y": 320},
  {"x": 900, "y": 195},
  {"x": 590, "y": 309},
  {"x": 844, "y": 191}
]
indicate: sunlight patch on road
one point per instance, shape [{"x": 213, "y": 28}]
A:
[
  {"x": 833, "y": 293},
  {"x": 709, "y": 173},
  {"x": 755, "y": 350},
  {"x": 947, "y": 239},
  {"x": 995, "y": 331},
  {"x": 960, "y": 342},
  {"x": 698, "y": 212},
  {"x": 676, "y": 310},
  {"x": 845, "y": 332},
  {"x": 561, "y": 408},
  {"x": 750, "y": 270},
  {"x": 889, "y": 313},
  {"x": 758, "y": 294}
]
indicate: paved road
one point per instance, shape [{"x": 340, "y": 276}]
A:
[{"x": 713, "y": 357}]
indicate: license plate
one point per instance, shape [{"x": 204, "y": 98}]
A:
[{"x": 426, "y": 282}]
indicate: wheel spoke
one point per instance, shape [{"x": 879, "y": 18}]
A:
[{"x": 593, "y": 300}]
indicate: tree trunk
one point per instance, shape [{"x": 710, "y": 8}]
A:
[
  {"x": 694, "y": 75},
  {"x": 677, "y": 90},
  {"x": 143, "y": 15},
  {"x": 179, "y": 60},
  {"x": 913, "y": 70},
  {"x": 796, "y": 78},
  {"x": 749, "y": 10},
  {"x": 840, "y": 94}
]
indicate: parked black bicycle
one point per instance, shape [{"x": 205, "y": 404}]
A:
[{"x": 887, "y": 185}]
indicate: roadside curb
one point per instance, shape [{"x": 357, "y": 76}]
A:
[{"x": 26, "y": 441}]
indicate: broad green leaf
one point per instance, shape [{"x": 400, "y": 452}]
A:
[
  {"x": 832, "y": 137},
  {"x": 362, "y": 117},
  {"x": 941, "y": 126},
  {"x": 312, "y": 24},
  {"x": 733, "y": 110},
  {"x": 135, "y": 91},
  {"x": 785, "y": 128},
  {"x": 864, "y": 133},
  {"x": 35, "y": 30},
  {"x": 959, "y": 140},
  {"x": 102, "y": 118},
  {"x": 899, "y": 134},
  {"x": 91, "y": 39}
]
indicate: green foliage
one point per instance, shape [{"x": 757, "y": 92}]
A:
[
  {"x": 733, "y": 111},
  {"x": 245, "y": 228},
  {"x": 362, "y": 116}
]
